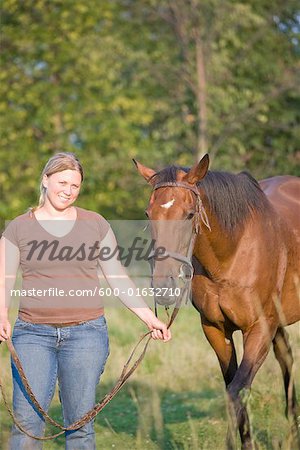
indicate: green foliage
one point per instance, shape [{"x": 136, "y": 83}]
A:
[{"x": 116, "y": 80}]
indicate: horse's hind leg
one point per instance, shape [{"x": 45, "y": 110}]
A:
[
  {"x": 223, "y": 345},
  {"x": 283, "y": 354}
]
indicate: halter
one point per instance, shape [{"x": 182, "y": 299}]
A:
[{"x": 186, "y": 270}]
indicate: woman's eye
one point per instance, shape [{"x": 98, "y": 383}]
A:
[{"x": 190, "y": 215}]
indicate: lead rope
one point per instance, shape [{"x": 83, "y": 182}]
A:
[{"x": 126, "y": 373}]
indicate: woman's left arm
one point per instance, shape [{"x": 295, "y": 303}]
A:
[{"x": 118, "y": 278}]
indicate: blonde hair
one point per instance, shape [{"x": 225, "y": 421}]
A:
[{"x": 59, "y": 162}]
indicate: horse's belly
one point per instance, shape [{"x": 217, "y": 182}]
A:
[{"x": 289, "y": 308}]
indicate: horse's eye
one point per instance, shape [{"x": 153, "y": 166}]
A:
[
  {"x": 190, "y": 215},
  {"x": 146, "y": 214}
]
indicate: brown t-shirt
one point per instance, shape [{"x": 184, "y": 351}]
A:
[{"x": 60, "y": 282}]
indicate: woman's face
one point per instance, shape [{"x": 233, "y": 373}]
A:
[{"x": 62, "y": 188}]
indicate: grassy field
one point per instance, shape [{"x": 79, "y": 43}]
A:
[{"x": 175, "y": 399}]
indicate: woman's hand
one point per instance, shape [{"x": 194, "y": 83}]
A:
[
  {"x": 5, "y": 329},
  {"x": 159, "y": 329}
]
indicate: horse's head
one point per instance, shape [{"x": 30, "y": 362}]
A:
[{"x": 175, "y": 212}]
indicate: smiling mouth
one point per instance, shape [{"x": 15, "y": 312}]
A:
[{"x": 64, "y": 199}]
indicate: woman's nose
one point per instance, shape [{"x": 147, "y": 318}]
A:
[{"x": 67, "y": 190}]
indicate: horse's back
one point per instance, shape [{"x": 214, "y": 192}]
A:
[{"x": 284, "y": 194}]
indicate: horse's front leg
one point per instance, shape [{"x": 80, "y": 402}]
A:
[
  {"x": 223, "y": 345},
  {"x": 257, "y": 342}
]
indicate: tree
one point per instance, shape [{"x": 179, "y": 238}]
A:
[
  {"x": 238, "y": 67},
  {"x": 162, "y": 81}
]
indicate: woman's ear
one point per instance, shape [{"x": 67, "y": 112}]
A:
[{"x": 45, "y": 181}]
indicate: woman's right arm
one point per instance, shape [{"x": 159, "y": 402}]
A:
[{"x": 9, "y": 263}]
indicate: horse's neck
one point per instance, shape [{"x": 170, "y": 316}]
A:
[
  {"x": 214, "y": 250},
  {"x": 206, "y": 256}
]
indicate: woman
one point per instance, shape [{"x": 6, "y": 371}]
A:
[{"x": 60, "y": 333}]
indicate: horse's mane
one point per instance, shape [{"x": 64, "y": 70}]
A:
[{"x": 231, "y": 198}]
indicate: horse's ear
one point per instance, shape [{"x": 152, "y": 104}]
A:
[
  {"x": 198, "y": 171},
  {"x": 146, "y": 172}
]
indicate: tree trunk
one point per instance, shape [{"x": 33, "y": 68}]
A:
[{"x": 202, "y": 139}]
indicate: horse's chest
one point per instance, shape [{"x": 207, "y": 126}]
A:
[
  {"x": 219, "y": 303},
  {"x": 206, "y": 298}
]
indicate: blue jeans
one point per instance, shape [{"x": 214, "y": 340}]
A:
[{"x": 75, "y": 356}]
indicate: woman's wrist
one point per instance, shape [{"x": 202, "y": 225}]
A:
[
  {"x": 145, "y": 314},
  {"x": 3, "y": 313}
]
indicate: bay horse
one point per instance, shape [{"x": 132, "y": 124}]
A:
[{"x": 242, "y": 240}]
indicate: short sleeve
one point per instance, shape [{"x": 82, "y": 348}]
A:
[
  {"x": 104, "y": 227},
  {"x": 11, "y": 232}
]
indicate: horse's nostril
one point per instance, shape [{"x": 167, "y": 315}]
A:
[{"x": 172, "y": 282}]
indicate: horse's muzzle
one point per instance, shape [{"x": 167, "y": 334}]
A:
[
  {"x": 164, "y": 300},
  {"x": 166, "y": 291}
]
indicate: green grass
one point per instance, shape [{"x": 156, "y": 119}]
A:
[{"x": 175, "y": 399}]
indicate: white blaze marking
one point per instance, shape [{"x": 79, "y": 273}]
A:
[{"x": 169, "y": 204}]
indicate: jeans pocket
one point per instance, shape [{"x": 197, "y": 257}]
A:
[{"x": 97, "y": 324}]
